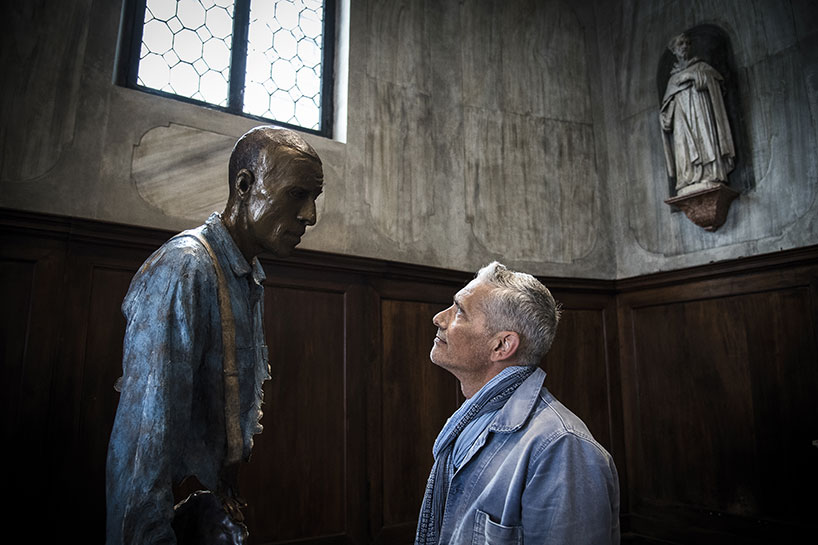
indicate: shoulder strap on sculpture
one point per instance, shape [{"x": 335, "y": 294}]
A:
[{"x": 230, "y": 367}]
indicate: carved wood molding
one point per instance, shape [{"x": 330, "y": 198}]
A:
[{"x": 114, "y": 234}]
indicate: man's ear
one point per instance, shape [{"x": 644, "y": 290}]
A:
[
  {"x": 505, "y": 345},
  {"x": 243, "y": 182}
]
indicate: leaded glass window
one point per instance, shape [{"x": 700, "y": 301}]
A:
[{"x": 268, "y": 59}]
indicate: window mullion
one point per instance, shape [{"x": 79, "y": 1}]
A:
[
  {"x": 238, "y": 59},
  {"x": 133, "y": 21},
  {"x": 327, "y": 66}
]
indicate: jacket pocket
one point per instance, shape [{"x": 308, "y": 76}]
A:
[{"x": 487, "y": 532}]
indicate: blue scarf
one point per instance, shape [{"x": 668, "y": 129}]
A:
[{"x": 490, "y": 398}]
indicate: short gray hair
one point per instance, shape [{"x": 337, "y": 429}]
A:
[{"x": 520, "y": 303}]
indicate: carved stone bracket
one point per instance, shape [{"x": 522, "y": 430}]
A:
[{"x": 706, "y": 208}]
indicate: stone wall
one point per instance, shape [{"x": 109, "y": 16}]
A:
[
  {"x": 473, "y": 133},
  {"x": 775, "y": 56},
  {"x": 524, "y": 131}
]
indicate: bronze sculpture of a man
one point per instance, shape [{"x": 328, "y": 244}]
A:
[{"x": 194, "y": 356}]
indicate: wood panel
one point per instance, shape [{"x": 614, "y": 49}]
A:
[
  {"x": 16, "y": 287},
  {"x": 31, "y": 269},
  {"x": 577, "y": 372},
  {"x": 295, "y": 481},
  {"x": 98, "y": 369},
  {"x": 416, "y": 399},
  {"x": 719, "y": 382},
  {"x": 85, "y": 369},
  {"x": 583, "y": 366},
  {"x": 701, "y": 383}
]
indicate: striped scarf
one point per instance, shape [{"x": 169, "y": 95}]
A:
[{"x": 437, "y": 487}]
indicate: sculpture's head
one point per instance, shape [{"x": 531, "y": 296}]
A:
[
  {"x": 680, "y": 46},
  {"x": 275, "y": 177}
]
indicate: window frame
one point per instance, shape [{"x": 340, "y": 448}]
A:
[{"x": 130, "y": 46}]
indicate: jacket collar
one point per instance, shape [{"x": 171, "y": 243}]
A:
[
  {"x": 519, "y": 406},
  {"x": 229, "y": 251}
]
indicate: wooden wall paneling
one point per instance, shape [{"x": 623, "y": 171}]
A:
[
  {"x": 374, "y": 420},
  {"x": 707, "y": 376},
  {"x": 619, "y": 449},
  {"x": 362, "y": 355},
  {"x": 720, "y": 377},
  {"x": 355, "y": 341},
  {"x": 693, "y": 387},
  {"x": 577, "y": 366},
  {"x": 629, "y": 412},
  {"x": 416, "y": 399},
  {"x": 297, "y": 479},
  {"x": 783, "y": 361},
  {"x": 583, "y": 367},
  {"x": 97, "y": 279},
  {"x": 31, "y": 277}
]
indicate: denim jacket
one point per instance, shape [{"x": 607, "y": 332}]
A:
[{"x": 534, "y": 476}]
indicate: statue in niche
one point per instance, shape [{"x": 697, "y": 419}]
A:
[
  {"x": 194, "y": 356},
  {"x": 699, "y": 149}
]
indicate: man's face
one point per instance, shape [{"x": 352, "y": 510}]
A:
[
  {"x": 281, "y": 205},
  {"x": 463, "y": 341}
]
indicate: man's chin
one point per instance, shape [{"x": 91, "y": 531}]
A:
[{"x": 435, "y": 359}]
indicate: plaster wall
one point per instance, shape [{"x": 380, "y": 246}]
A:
[
  {"x": 525, "y": 131},
  {"x": 473, "y": 132},
  {"x": 775, "y": 51}
]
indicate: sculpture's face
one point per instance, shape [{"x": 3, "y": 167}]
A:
[
  {"x": 682, "y": 47},
  {"x": 281, "y": 203},
  {"x": 462, "y": 344}
]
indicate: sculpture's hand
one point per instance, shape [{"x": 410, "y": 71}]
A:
[
  {"x": 666, "y": 117},
  {"x": 229, "y": 492},
  {"x": 683, "y": 77},
  {"x": 233, "y": 505},
  {"x": 701, "y": 81}
]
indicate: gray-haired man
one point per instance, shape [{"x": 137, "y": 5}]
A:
[{"x": 512, "y": 464}]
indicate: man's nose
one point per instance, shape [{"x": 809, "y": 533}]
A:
[
  {"x": 440, "y": 319},
  {"x": 307, "y": 213}
]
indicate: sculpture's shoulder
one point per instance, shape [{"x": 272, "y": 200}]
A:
[
  {"x": 699, "y": 67},
  {"x": 181, "y": 264},
  {"x": 182, "y": 254}
]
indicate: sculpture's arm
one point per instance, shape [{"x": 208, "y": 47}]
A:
[
  {"x": 701, "y": 80},
  {"x": 666, "y": 116},
  {"x": 160, "y": 352},
  {"x": 666, "y": 121}
]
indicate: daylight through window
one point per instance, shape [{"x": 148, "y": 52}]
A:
[{"x": 263, "y": 58}]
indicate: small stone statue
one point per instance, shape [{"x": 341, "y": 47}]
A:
[
  {"x": 194, "y": 358},
  {"x": 698, "y": 144}
]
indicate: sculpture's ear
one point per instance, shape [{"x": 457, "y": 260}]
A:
[{"x": 243, "y": 182}]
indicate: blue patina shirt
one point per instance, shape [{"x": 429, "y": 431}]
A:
[
  {"x": 170, "y": 421},
  {"x": 533, "y": 475}
]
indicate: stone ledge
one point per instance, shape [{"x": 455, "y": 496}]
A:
[{"x": 706, "y": 208}]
